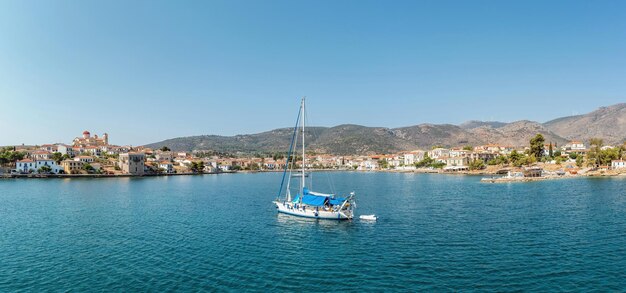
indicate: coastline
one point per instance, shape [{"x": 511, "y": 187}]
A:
[
  {"x": 492, "y": 177},
  {"x": 48, "y": 176}
]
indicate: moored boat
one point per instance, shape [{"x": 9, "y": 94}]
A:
[
  {"x": 368, "y": 217},
  {"x": 308, "y": 203}
]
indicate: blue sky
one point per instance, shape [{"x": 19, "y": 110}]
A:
[{"x": 144, "y": 71}]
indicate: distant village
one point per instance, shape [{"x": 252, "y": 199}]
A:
[{"x": 94, "y": 155}]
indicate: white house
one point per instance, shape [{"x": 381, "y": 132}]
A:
[
  {"x": 368, "y": 165},
  {"x": 31, "y": 166},
  {"x": 574, "y": 146},
  {"x": 458, "y": 153},
  {"x": 25, "y": 166},
  {"x": 618, "y": 164},
  {"x": 167, "y": 167},
  {"x": 93, "y": 150},
  {"x": 84, "y": 159},
  {"x": 577, "y": 145},
  {"x": 55, "y": 168},
  {"x": 65, "y": 150},
  {"x": 164, "y": 156},
  {"x": 438, "y": 153},
  {"x": 409, "y": 159},
  {"x": 49, "y": 147},
  {"x": 457, "y": 164},
  {"x": 457, "y": 161},
  {"x": 607, "y": 147},
  {"x": 183, "y": 161},
  {"x": 209, "y": 168},
  {"x": 395, "y": 161},
  {"x": 41, "y": 155}
]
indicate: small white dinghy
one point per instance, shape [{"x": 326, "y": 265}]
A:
[{"x": 368, "y": 217}]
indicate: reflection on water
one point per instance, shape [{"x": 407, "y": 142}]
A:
[{"x": 292, "y": 223}]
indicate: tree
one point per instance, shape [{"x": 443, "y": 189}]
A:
[
  {"x": 537, "y": 145},
  {"x": 468, "y": 148},
  {"x": 426, "y": 161},
  {"x": 573, "y": 156},
  {"x": 10, "y": 155},
  {"x": 559, "y": 160},
  {"x": 608, "y": 155},
  {"x": 520, "y": 162},
  {"x": 383, "y": 164},
  {"x": 579, "y": 161},
  {"x": 502, "y": 160},
  {"x": 254, "y": 167},
  {"x": 278, "y": 156},
  {"x": 477, "y": 164},
  {"x": 57, "y": 157},
  {"x": 44, "y": 169},
  {"x": 438, "y": 165},
  {"x": 197, "y": 167},
  {"x": 550, "y": 151},
  {"x": 593, "y": 156},
  {"x": 165, "y": 149},
  {"x": 89, "y": 168},
  {"x": 515, "y": 156}
]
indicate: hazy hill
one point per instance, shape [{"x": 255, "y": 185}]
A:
[
  {"x": 428, "y": 135},
  {"x": 516, "y": 133},
  {"x": 357, "y": 139},
  {"x": 607, "y": 122}
]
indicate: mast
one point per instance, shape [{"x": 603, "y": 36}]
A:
[
  {"x": 291, "y": 158},
  {"x": 303, "y": 154}
]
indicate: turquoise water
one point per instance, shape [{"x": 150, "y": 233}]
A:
[{"x": 221, "y": 232}]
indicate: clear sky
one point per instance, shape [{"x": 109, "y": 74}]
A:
[{"x": 144, "y": 71}]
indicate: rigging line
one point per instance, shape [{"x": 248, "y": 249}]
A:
[
  {"x": 311, "y": 130},
  {"x": 293, "y": 156},
  {"x": 295, "y": 129},
  {"x": 315, "y": 133}
]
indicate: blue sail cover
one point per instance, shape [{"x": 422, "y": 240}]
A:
[
  {"x": 337, "y": 201},
  {"x": 313, "y": 200}
]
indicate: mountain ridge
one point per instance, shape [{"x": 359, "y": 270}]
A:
[{"x": 608, "y": 123}]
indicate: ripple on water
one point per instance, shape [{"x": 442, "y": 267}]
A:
[{"x": 221, "y": 233}]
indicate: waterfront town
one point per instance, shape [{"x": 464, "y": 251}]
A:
[{"x": 89, "y": 155}]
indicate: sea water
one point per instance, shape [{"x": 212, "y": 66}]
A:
[{"x": 222, "y": 233}]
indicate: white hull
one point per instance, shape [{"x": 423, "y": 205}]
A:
[{"x": 312, "y": 212}]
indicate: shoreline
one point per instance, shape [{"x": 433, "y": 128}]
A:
[
  {"x": 52, "y": 176},
  {"x": 492, "y": 177}
]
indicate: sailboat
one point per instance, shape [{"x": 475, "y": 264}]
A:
[{"x": 307, "y": 203}]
